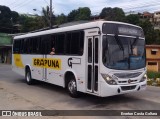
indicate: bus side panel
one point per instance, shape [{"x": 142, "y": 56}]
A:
[
  {"x": 37, "y": 71},
  {"x": 17, "y": 64},
  {"x": 74, "y": 64}
]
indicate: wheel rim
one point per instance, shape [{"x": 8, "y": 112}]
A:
[
  {"x": 72, "y": 86},
  {"x": 28, "y": 77}
]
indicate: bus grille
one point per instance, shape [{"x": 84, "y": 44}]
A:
[
  {"x": 132, "y": 81},
  {"x": 127, "y": 75},
  {"x": 128, "y": 87}
]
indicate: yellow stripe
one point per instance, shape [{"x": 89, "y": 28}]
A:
[{"x": 18, "y": 61}]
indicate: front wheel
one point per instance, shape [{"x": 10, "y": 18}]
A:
[
  {"x": 72, "y": 88},
  {"x": 29, "y": 79}
]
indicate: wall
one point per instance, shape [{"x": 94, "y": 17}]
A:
[{"x": 153, "y": 60}]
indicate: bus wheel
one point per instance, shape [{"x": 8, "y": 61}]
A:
[
  {"x": 72, "y": 88},
  {"x": 28, "y": 76}
]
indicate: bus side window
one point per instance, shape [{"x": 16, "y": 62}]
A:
[
  {"x": 35, "y": 43},
  {"x": 81, "y": 44},
  {"x": 52, "y": 43},
  {"x": 30, "y": 46},
  {"x": 17, "y": 44},
  {"x": 60, "y": 43},
  {"x": 21, "y": 47},
  {"x": 74, "y": 43},
  {"x": 25, "y": 47},
  {"x": 68, "y": 43},
  {"x": 45, "y": 44}
]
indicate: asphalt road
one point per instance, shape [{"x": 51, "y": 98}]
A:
[{"x": 16, "y": 94}]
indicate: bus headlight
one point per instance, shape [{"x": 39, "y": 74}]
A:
[
  {"x": 144, "y": 78},
  {"x": 109, "y": 79}
]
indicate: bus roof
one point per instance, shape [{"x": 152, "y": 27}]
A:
[{"x": 87, "y": 25}]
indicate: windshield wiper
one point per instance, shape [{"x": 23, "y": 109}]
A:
[{"x": 119, "y": 42}]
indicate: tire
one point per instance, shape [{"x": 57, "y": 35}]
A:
[
  {"x": 72, "y": 88},
  {"x": 28, "y": 77}
]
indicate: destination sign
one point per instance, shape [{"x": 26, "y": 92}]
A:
[{"x": 122, "y": 29}]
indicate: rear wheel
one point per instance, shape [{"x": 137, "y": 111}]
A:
[
  {"x": 28, "y": 76},
  {"x": 72, "y": 88}
]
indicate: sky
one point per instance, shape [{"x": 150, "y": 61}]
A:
[{"x": 66, "y": 6}]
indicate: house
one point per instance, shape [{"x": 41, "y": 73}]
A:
[
  {"x": 153, "y": 57},
  {"x": 157, "y": 20},
  {"x": 147, "y": 16}
]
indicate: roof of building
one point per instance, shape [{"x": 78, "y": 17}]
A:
[{"x": 152, "y": 46}]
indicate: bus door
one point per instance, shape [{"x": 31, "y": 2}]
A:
[{"x": 92, "y": 65}]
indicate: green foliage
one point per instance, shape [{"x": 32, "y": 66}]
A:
[
  {"x": 15, "y": 17},
  {"x": 157, "y": 36},
  {"x": 45, "y": 16},
  {"x": 5, "y": 16},
  {"x": 153, "y": 75},
  {"x": 30, "y": 23},
  {"x": 60, "y": 19},
  {"x": 133, "y": 19},
  {"x": 83, "y": 14},
  {"x": 112, "y": 14},
  {"x": 148, "y": 31},
  {"x": 153, "y": 78},
  {"x": 79, "y": 14}
]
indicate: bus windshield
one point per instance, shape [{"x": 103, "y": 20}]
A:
[{"x": 123, "y": 53}]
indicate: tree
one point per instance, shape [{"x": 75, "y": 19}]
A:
[
  {"x": 148, "y": 31},
  {"x": 133, "y": 19},
  {"x": 72, "y": 15},
  {"x": 5, "y": 16},
  {"x": 60, "y": 19},
  {"x": 112, "y": 14},
  {"x": 15, "y": 17},
  {"x": 105, "y": 12},
  {"x": 46, "y": 16},
  {"x": 157, "y": 36},
  {"x": 82, "y": 13}
]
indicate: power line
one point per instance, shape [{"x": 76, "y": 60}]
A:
[
  {"x": 144, "y": 5},
  {"x": 19, "y": 3},
  {"x": 29, "y": 1},
  {"x": 46, "y": 2},
  {"x": 12, "y": 3}
]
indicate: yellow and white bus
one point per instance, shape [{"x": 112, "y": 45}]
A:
[{"x": 102, "y": 58}]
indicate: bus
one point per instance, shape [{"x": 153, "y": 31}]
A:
[{"x": 101, "y": 58}]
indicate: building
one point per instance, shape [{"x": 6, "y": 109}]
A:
[
  {"x": 153, "y": 57},
  {"x": 156, "y": 20},
  {"x": 147, "y": 16},
  {"x": 5, "y": 48}
]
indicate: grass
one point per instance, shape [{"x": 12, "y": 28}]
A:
[{"x": 153, "y": 78}]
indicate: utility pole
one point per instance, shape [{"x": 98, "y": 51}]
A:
[{"x": 50, "y": 13}]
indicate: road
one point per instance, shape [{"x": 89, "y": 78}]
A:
[{"x": 16, "y": 94}]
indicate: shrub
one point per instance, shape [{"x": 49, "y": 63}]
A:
[{"x": 153, "y": 75}]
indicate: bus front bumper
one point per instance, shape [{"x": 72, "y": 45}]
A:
[{"x": 109, "y": 90}]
